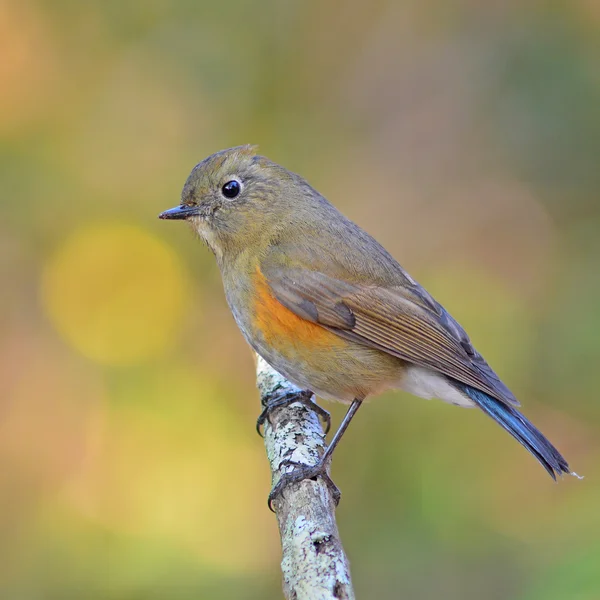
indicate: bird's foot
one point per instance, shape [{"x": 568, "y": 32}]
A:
[
  {"x": 304, "y": 397},
  {"x": 300, "y": 473}
]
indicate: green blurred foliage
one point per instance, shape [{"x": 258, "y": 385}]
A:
[{"x": 464, "y": 135}]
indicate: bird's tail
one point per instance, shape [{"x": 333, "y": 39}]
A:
[{"x": 521, "y": 429}]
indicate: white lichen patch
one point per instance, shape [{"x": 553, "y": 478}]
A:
[{"x": 313, "y": 564}]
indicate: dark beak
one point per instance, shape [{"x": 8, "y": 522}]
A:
[{"x": 179, "y": 212}]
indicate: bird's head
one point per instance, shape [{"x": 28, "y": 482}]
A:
[{"x": 235, "y": 197}]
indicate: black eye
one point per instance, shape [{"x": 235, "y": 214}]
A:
[{"x": 231, "y": 189}]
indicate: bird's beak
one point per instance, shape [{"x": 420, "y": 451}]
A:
[{"x": 179, "y": 212}]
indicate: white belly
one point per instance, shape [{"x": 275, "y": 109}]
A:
[{"x": 426, "y": 383}]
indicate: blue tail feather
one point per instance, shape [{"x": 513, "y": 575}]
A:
[{"x": 520, "y": 428}]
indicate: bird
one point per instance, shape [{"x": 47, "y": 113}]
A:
[{"x": 322, "y": 302}]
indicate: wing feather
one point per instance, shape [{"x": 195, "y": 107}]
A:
[{"x": 402, "y": 321}]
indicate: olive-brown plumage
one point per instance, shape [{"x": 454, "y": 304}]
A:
[{"x": 326, "y": 305}]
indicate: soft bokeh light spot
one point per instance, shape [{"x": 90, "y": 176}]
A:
[{"x": 115, "y": 292}]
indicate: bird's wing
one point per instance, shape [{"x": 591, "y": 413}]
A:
[{"x": 403, "y": 321}]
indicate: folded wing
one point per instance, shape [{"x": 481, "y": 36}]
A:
[{"x": 403, "y": 321}]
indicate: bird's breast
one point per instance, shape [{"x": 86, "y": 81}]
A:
[
  {"x": 283, "y": 329},
  {"x": 307, "y": 354}
]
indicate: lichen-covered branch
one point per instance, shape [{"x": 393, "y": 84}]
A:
[{"x": 314, "y": 564}]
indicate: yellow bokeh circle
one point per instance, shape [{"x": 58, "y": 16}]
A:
[{"x": 115, "y": 292}]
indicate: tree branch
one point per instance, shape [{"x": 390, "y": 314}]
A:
[{"x": 314, "y": 564}]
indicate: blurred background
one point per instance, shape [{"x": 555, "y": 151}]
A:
[{"x": 465, "y": 136}]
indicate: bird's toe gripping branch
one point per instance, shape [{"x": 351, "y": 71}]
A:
[
  {"x": 300, "y": 473},
  {"x": 287, "y": 398}
]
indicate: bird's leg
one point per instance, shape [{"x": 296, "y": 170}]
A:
[
  {"x": 304, "y": 397},
  {"x": 302, "y": 471}
]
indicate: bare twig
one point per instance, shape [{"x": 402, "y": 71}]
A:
[{"x": 314, "y": 565}]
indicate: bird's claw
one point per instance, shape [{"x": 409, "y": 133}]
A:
[
  {"x": 300, "y": 473},
  {"x": 304, "y": 397}
]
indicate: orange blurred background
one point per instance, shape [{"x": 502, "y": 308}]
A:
[{"x": 465, "y": 136}]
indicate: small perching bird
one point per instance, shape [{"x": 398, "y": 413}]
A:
[{"x": 328, "y": 307}]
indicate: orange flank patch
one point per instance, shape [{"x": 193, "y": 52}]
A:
[{"x": 282, "y": 328}]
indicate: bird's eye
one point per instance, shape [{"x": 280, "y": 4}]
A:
[{"x": 231, "y": 189}]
